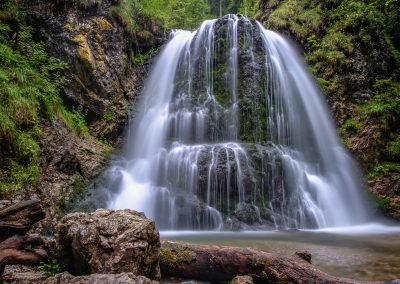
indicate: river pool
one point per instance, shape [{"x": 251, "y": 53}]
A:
[{"x": 370, "y": 252}]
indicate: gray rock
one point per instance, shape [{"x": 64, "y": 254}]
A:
[
  {"x": 242, "y": 280},
  {"x": 121, "y": 278},
  {"x": 247, "y": 213},
  {"x": 108, "y": 241},
  {"x": 25, "y": 277}
]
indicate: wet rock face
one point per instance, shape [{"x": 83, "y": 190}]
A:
[
  {"x": 360, "y": 69},
  {"x": 101, "y": 81},
  {"x": 101, "y": 78},
  {"x": 109, "y": 241}
]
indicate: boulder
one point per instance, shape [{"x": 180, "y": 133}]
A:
[
  {"x": 242, "y": 280},
  {"x": 247, "y": 213},
  {"x": 111, "y": 242},
  {"x": 121, "y": 278},
  {"x": 25, "y": 277}
]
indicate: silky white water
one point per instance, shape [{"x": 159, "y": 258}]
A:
[{"x": 231, "y": 132}]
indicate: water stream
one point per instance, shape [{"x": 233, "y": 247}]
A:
[{"x": 232, "y": 133}]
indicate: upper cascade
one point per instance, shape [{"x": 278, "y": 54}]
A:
[{"x": 231, "y": 132}]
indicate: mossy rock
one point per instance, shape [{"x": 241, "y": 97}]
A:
[
  {"x": 175, "y": 257},
  {"x": 83, "y": 49}
]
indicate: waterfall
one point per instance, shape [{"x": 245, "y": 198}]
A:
[{"x": 231, "y": 132}]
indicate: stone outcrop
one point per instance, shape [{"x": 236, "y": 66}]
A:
[
  {"x": 102, "y": 81},
  {"x": 111, "y": 242},
  {"x": 351, "y": 81}
]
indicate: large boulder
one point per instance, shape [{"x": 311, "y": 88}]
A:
[{"x": 108, "y": 241}]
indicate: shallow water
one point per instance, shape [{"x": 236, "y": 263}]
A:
[{"x": 370, "y": 252}]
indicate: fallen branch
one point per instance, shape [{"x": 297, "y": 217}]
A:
[
  {"x": 17, "y": 219},
  {"x": 16, "y": 248},
  {"x": 218, "y": 263}
]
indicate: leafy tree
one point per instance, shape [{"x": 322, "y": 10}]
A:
[{"x": 187, "y": 13}]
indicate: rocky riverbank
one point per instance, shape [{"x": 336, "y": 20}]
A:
[
  {"x": 105, "y": 62},
  {"x": 124, "y": 246}
]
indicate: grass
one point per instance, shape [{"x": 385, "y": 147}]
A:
[{"x": 30, "y": 81}]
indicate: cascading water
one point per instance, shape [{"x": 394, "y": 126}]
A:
[{"x": 231, "y": 132}]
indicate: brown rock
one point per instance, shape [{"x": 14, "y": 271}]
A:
[{"x": 108, "y": 241}]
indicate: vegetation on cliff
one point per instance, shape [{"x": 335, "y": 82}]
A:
[
  {"x": 352, "y": 48},
  {"x": 187, "y": 14},
  {"x": 30, "y": 81}
]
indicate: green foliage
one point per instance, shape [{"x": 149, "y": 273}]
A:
[
  {"x": 75, "y": 120},
  {"x": 248, "y": 7},
  {"x": 30, "y": 81},
  {"x": 223, "y": 7},
  {"x": 108, "y": 116},
  {"x": 296, "y": 15},
  {"x": 187, "y": 14},
  {"x": 349, "y": 126},
  {"x": 394, "y": 146},
  {"x": 139, "y": 59},
  {"x": 386, "y": 104},
  {"x": 384, "y": 168},
  {"x": 51, "y": 268},
  {"x": 184, "y": 14},
  {"x": 339, "y": 38}
]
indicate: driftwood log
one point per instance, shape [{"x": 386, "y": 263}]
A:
[
  {"x": 218, "y": 263},
  {"x": 15, "y": 246}
]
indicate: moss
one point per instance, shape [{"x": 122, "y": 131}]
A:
[
  {"x": 18, "y": 176},
  {"x": 69, "y": 27},
  {"x": 349, "y": 126},
  {"x": 102, "y": 23},
  {"x": 295, "y": 15},
  {"x": 385, "y": 105},
  {"x": 139, "y": 58},
  {"x": 283, "y": 278},
  {"x": 83, "y": 50},
  {"x": 108, "y": 116},
  {"x": 51, "y": 267},
  {"x": 393, "y": 147},
  {"x": 72, "y": 194},
  {"x": 176, "y": 256},
  {"x": 384, "y": 168}
]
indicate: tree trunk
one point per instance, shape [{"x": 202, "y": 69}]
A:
[
  {"x": 217, "y": 263},
  {"x": 17, "y": 219},
  {"x": 15, "y": 248}
]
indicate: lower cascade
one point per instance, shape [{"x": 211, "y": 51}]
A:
[{"x": 232, "y": 133}]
